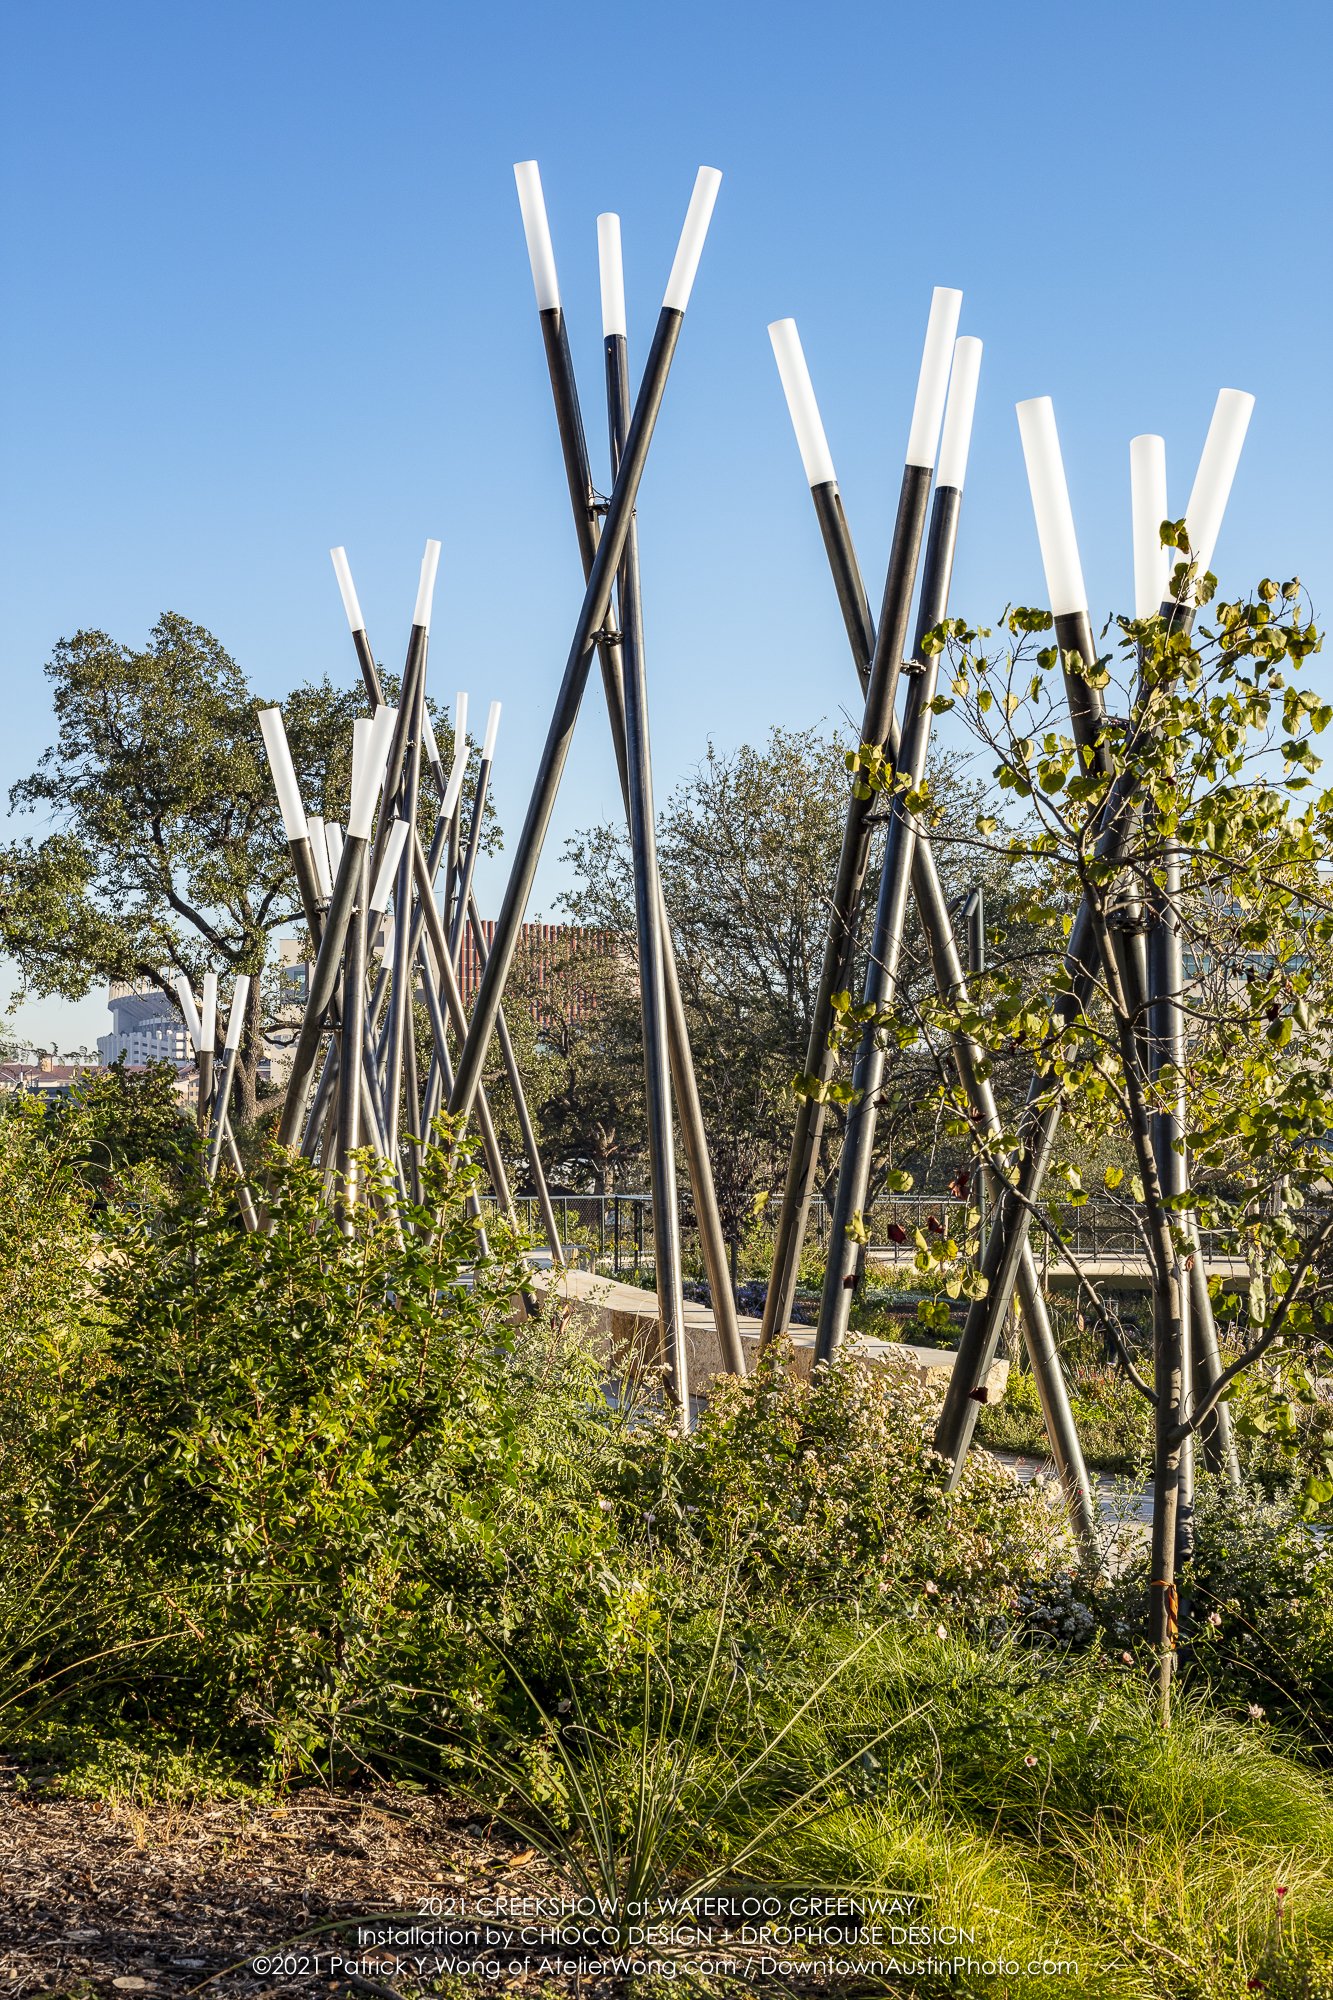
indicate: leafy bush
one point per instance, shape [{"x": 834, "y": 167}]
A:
[
  {"x": 313, "y": 1442},
  {"x": 829, "y": 1489}
]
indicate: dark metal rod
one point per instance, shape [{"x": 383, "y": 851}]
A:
[
  {"x": 550, "y": 1229},
  {"x": 592, "y": 617},
  {"x": 883, "y": 664},
  {"x": 887, "y": 936},
  {"x": 1166, "y": 1031},
  {"x": 1041, "y": 1118},
  {"x": 648, "y": 907},
  {"x": 689, "y": 1108},
  {"x": 443, "y": 970},
  {"x": 353, "y": 1033},
  {"x": 952, "y": 986},
  {"x": 323, "y": 986},
  {"x": 463, "y": 889},
  {"x": 231, "y": 1050},
  {"x": 400, "y": 986}
]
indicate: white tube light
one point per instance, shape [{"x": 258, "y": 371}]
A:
[
  {"x": 208, "y": 1022},
  {"x": 959, "y": 408},
  {"x": 1050, "y": 505},
  {"x": 393, "y": 854},
  {"x": 1148, "y": 510},
  {"x": 1217, "y": 468},
  {"x": 460, "y": 721},
  {"x": 801, "y": 405},
  {"x": 612, "y": 271},
  {"x": 272, "y": 729},
  {"x": 690, "y": 248},
  {"x": 193, "y": 1026},
  {"x": 933, "y": 381},
  {"x": 333, "y": 840},
  {"x": 240, "y": 993},
  {"x": 537, "y": 231},
  {"x": 453, "y": 789},
  {"x": 351, "y": 602},
  {"x": 320, "y": 855},
  {"x": 430, "y": 562},
  {"x": 492, "y": 731},
  {"x": 428, "y": 742},
  {"x": 370, "y": 754}
]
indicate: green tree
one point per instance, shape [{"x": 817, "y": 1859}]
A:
[
  {"x": 1204, "y": 817},
  {"x": 748, "y": 846},
  {"x": 165, "y": 852}
]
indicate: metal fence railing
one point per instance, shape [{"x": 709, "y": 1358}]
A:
[{"x": 614, "y": 1232}]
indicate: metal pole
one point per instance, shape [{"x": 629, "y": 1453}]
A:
[
  {"x": 400, "y": 985},
  {"x": 952, "y": 987},
  {"x": 443, "y": 970},
  {"x": 643, "y": 851},
  {"x": 974, "y": 927},
  {"x": 689, "y": 1109},
  {"x": 1166, "y": 1022},
  {"x": 353, "y": 1039},
  {"x": 231, "y": 1049},
  {"x": 886, "y": 942},
  {"x": 465, "y": 874},
  {"x": 323, "y": 986},
  {"x": 878, "y": 656},
  {"x": 525, "y": 1125},
  {"x": 883, "y": 657},
  {"x": 591, "y": 619}
]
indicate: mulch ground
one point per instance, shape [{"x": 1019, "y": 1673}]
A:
[{"x": 115, "y": 1901}]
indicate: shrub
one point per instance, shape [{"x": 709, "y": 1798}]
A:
[{"x": 830, "y": 1489}]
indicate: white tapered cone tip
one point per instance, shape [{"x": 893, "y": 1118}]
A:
[
  {"x": 1217, "y": 469},
  {"x": 274, "y": 732},
  {"x": 492, "y": 731},
  {"x": 1050, "y": 506},
  {"x": 208, "y": 1009},
  {"x": 370, "y": 754},
  {"x": 460, "y": 719},
  {"x": 612, "y": 271},
  {"x": 959, "y": 409},
  {"x": 388, "y": 868},
  {"x": 933, "y": 380},
  {"x": 801, "y": 405},
  {"x": 189, "y": 1011},
  {"x": 1148, "y": 510},
  {"x": 690, "y": 248},
  {"x": 430, "y": 562},
  {"x": 453, "y": 789},
  {"x": 319, "y": 855},
  {"x": 347, "y": 589},
  {"x": 537, "y": 233},
  {"x": 240, "y": 993}
]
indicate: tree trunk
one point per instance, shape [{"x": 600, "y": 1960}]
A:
[{"x": 245, "y": 1089}]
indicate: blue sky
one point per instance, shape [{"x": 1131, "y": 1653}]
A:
[{"x": 267, "y": 291}]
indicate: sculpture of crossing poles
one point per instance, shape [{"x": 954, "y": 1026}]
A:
[
  {"x": 1068, "y": 599},
  {"x": 877, "y": 722},
  {"x": 587, "y": 522},
  {"x": 932, "y": 907}
]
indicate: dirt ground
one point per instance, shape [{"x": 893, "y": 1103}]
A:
[{"x": 108, "y": 1901}]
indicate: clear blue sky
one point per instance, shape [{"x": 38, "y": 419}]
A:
[{"x": 267, "y": 291}]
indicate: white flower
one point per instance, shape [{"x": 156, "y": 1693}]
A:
[{"x": 1254, "y": 1712}]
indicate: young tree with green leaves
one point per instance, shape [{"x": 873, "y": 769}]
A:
[{"x": 1204, "y": 823}]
